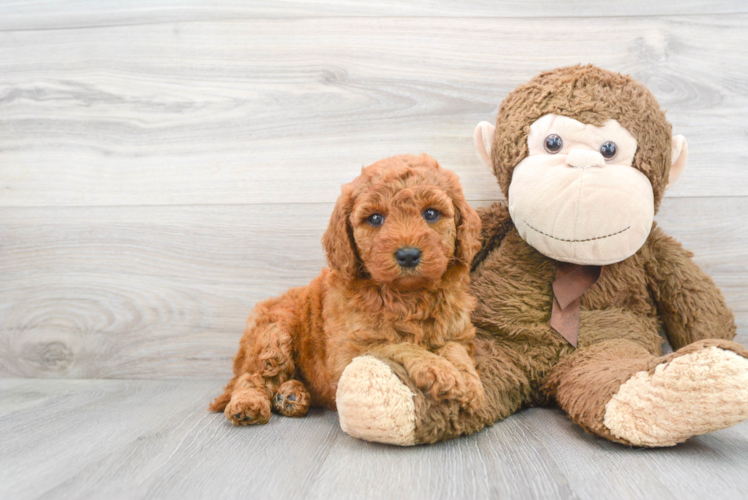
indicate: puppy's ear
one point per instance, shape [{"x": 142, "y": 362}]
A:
[
  {"x": 338, "y": 239},
  {"x": 468, "y": 230}
]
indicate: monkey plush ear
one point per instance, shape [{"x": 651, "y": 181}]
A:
[
  {"x": 483, "y": 139},
  {"x": 678, "y": 157}
]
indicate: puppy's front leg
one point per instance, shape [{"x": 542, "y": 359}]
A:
[
  {"x": 457, "y": 354},
  {"x": 431, "y": 373}
]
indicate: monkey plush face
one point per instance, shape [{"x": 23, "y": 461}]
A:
[
  {"x": 576, "y": 197},
  {"x": 583, "y": 156}
]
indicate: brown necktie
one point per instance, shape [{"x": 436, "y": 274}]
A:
[{"x": 572, "y": 280}]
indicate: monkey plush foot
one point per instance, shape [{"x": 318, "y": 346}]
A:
[
  {"x": 699, "y": 389},
  {"x": 374, "y": 404}
]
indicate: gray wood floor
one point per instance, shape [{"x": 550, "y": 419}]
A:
[
  {"x": 154, "y": 439},
  {"x": 165, "y": 164}
]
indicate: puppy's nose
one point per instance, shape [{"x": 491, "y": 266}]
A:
[{"x": 408, "y": 257}]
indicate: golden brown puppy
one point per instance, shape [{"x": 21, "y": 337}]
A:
[{"x": 399, "y": 246}]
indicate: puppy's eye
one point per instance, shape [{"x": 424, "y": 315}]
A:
[
  {"x": 553, "y": 144},
  {"x": 375, "y": 220},
  {"x": 609, "y": 150},
  {"x": 431, "y": 215}
]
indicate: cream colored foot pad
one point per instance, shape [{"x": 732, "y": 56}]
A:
[
  {"x": 693, "y": 394},
  {"x": 373, "y": 404}
]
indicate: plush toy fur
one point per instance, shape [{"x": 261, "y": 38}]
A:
[
  {"x": 592, "y": 96},
  {"x": 296, "y": 346},
  {"x": 616, "y": 384}
]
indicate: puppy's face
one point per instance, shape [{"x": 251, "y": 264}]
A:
[
  {"x": 406, "y": 221},
  {"x": 405, "y": 232}
]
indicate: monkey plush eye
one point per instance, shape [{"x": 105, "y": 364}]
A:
[
  {"x": 431, "y": 215},
  {"x": 375, "y": 220},
  {"x": 553, "y": 144},
  {"x": 609, "y": 150}
]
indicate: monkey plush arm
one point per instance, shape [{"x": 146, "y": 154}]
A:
[
  {"x": 495, "y": 223},
  {"x": 689, "y": 304}
]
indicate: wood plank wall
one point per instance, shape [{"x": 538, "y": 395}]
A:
[{"x": 164, "y": 165}]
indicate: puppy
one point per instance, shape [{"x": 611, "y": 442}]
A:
[{"x": 399, "y": 246}]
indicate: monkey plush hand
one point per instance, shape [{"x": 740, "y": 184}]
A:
[{"x": 575, "y": 280}]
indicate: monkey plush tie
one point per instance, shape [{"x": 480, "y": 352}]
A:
[{"x": 572, "y": 280}]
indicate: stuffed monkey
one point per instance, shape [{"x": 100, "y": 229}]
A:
[{"x": 575, "y": 280}]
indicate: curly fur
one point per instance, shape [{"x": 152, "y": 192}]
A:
[{"x": 296, "y": 346}]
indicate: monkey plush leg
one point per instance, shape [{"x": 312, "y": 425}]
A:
[
  {"x": 618, "y": 390},
  {"x": 377, "y": 400},
  {"x": 701, "y": 388}
]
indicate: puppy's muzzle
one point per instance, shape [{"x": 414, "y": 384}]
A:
[{"x": 408, "y": 257}]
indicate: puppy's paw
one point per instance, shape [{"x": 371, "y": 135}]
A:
[
  {"x": 291, "y": 399},
  {"x": 439, "y": 378},
  {"x": 248, "y": 407}
]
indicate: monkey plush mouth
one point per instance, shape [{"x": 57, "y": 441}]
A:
[{"x": 576, "y": 241}]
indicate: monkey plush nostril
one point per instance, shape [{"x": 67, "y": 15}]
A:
[
  {"x": 583, "y": 158},
  {"x": 408, "y": 257}
]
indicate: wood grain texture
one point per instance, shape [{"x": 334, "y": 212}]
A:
[
  {"x": 66, "y": 14},
  {"x": 154, "y": 439},
  {"x": 165, "y": 164},
  {"x": 163, "y": 292},
  {"x": 284, "y": 110}
]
